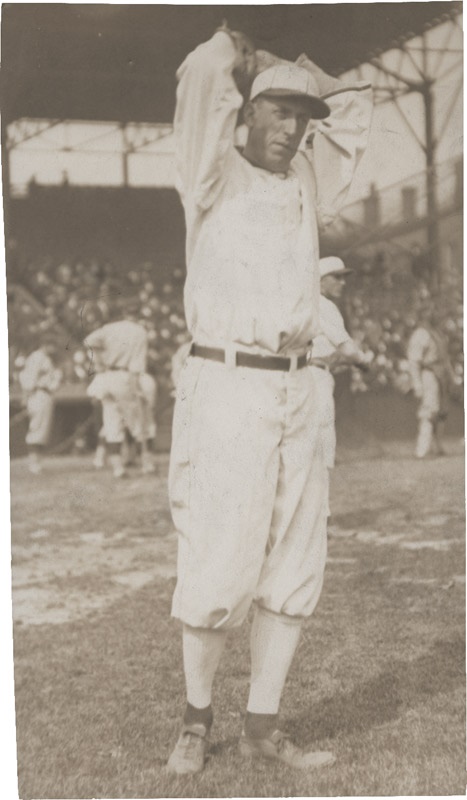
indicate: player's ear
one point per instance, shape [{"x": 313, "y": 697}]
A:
[{"x": 249, "y": 113}]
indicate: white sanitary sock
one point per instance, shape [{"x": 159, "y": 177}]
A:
[
  {"x": 202, "y": 650},
  {"x": 274, "y": 639}
]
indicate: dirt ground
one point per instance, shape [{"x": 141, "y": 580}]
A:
[
  {"x": 379, "y": 676},
  {"x": 80, "y": 541}
]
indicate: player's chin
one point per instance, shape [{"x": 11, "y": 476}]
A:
[{"x": 280, "y": 158}]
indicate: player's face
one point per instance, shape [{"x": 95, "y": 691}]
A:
[
  {"x": 276, "y": 127},
  {"x": 333, "y": 285}
]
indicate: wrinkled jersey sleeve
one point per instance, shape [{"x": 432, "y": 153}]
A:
[
  {"x": 332, "y": 323},
  {"x": 206, "y": 112},
  {"x": 338, "y": 144}
]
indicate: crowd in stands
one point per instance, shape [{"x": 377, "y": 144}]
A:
[
  {"x": 77, "y": 297},
  {"x": 382, "y": 308},
  {"x": 72, "y": 297}
]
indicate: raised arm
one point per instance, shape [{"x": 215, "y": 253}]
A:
[
  {"x": 340, "y": 140},
  {"x": 208, "y": 100}
]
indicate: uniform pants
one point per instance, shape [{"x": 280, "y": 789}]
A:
[
  {"x": 248, "y": 493},
  {"x": 123, "y": 405},
  {"x": 40, "y": 406},
  {"x": 431, "y": 401},
  {"x": 324, "y": 384}
]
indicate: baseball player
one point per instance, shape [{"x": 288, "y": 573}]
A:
[
  {"x": 39, "y": 380},
  {"x": 247, "y": 480},
  {"x": 119, "y": 350},
  {"x": 332, "y": 348},
  {"x": 142, "y": 429},
  {"x": 431, "y": 374}
]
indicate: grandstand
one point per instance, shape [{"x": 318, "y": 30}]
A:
[{"x": 73, "y": 252}]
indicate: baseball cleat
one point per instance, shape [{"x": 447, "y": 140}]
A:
[
  {"x": 279, "y": 747},
  {"x": 189, "y": 754}
]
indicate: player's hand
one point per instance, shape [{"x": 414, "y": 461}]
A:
[{"x": 244, "y": 68}]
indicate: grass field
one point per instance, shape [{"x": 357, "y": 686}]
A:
[{"x": 378, "y": 677}]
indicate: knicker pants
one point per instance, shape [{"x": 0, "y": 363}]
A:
[
  {"x": 123, "y": 405},
  {"x": 40, "y": 406},
  {"x": 248, "y": 493},
  {"x": 324, "y": 393},
  {"x": 431, "y": 402}
]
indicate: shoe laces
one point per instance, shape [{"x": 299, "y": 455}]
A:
[
  {"x": 284, "y": 743},
  {"x": 191, "y": 743}
]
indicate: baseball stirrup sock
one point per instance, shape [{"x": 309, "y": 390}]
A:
[
  {"x": 202, "y": 650},
  {"x": 274, "y": 639},
  {"x": 194, "y": 715}
]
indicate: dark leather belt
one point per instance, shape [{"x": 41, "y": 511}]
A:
[{"x": 253, "y": 360}]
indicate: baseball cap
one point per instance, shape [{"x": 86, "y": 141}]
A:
[
  {"x": 288, "y": 80},
  {"x": 331, "y": 265}
]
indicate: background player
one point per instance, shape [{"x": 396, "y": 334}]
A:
[
  {"x": 332, "y": 348},
  {"x": 39, "y": 380},
  {"x": 432, "y": 376},
  {"x": 142, "y": 435},
  {"x": 119, "y": 350}
]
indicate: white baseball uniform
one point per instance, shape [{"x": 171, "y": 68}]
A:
[
  {"x": 426, "y": 356},
  {"x": 39, "y": 379},
  {"x": 332, "y": 334},
  {"x": 430, "y": 370},
  {"x": 247, "y": 480},
  {"x": 178, "y": 361},
  {"x": 121, "y": 352}
]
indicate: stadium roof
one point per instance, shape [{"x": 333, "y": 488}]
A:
[{"x": 118, "y": 62}]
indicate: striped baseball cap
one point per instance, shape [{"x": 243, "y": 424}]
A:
[{"x": 288, "y": 80}]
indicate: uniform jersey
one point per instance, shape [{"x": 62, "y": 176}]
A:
[
  {"x": 120, "y": 345},
  {"x": 39, "y": 373},
  {"x": 252, "y": 235},
  {"x": 332, "y": 331},
  {"x": 39, "y": 379},
  {"x": 247, "y": 480}
]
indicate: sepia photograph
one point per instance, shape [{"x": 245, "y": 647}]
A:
[{"x": 233, "y": 245}]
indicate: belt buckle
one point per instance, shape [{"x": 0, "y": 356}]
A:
[{"x": 293, "y": 362}]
